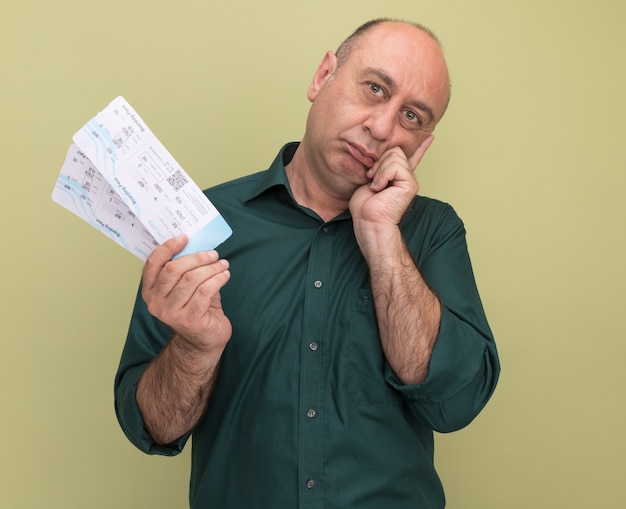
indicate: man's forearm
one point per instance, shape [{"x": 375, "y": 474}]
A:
[
  {"x": 408, "y": 312},
  {"x": 174, "y": 390}
]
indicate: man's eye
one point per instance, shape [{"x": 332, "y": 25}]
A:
[
  {"x": 376, "y": 89},
  {"x": 412, "y": 117}
]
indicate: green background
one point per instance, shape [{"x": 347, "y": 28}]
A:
[{"x": 530, "y": 153}]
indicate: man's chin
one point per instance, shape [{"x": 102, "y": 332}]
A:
[{"x": 356, "y": 170}]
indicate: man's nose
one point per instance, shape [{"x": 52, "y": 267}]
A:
[{"x": 381, "y": 121}]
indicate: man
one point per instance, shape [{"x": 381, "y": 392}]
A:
[{"x": 350, "y": 328}]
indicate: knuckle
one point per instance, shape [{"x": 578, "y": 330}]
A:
[
  {"x": 170, "y": 268},
  {"x": 188, "y": 278},
  {"x": 201, "y": 257},
  {"x": 205, "y": 290}
]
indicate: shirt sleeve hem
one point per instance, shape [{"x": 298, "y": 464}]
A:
[{"x": 132, "y": 422}]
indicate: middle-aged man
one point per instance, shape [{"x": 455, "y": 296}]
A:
[{"x": 312, "y": 367}]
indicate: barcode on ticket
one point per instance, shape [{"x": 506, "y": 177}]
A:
[{"x": 177, "y": 180}]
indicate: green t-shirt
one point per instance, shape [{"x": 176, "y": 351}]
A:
[{"x": 306, "y": 413}]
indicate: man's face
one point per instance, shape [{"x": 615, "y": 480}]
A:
[{"x": 391, "y": 91}]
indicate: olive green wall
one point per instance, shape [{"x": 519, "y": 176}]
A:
[{"x": 530, "y": 154}]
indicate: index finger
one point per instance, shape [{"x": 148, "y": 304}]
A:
[{"x": 419, "y": 153}]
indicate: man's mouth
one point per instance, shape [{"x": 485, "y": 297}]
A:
[{"x": 362, "y": 155}]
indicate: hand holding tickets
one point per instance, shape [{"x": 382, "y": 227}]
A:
[{"x": 119, "y": 178}]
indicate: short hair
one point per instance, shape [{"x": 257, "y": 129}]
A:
[{"x": 345, "y": 48}]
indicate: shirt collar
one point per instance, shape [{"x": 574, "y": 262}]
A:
[{"x": 275, "y": 176}]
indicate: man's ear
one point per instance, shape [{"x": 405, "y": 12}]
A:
[{"x": 327, "y": 67}]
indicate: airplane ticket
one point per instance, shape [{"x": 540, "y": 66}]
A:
[{"x": 118, "y": 177}]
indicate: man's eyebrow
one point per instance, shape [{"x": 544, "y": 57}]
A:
[
  {"x": 382, "y": 75},
  {"x": 388, "y": 80}
]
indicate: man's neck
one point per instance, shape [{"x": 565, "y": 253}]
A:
[{"x": 309, "y": 193}]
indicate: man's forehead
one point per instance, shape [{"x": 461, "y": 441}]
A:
[
  {"x": 396, "y": 45},
  {"x": 394, "y": 33}
]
